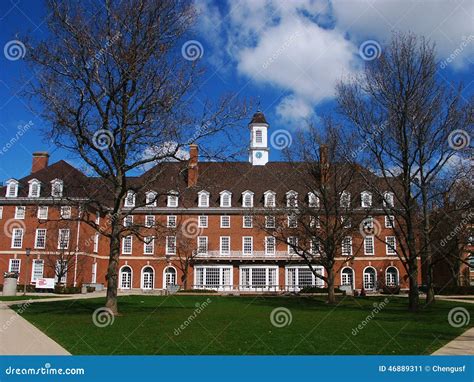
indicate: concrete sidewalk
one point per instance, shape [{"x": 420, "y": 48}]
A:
[
  {"x": 462, "y": 345},
  {"x": 19, "y": 337}
]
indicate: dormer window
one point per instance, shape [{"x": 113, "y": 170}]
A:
[
  {"x": 366, "y": 199},
  {"x": 247, "y": 199},
  {"x": 35, "y": 188},
  {"x": 269, "y": 199},
  {"x": 12, "y": 188},
  {"x": 172, "y": 199},
  {"x": 388, "y": 200},
  {"x": 57, "y": 188},
  {"x": 150, "y": 199},
  {"x": 313, "y": 200},
  {"x": 292, "y": 199},
  {"x": 129, "y": 199},
  {"x": 345, "y": 200},
  {"x": 226, "y": 199},
  {"x": 203, "y": 199}
]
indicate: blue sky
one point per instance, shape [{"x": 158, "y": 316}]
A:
[{"x": 286, "y": 54}]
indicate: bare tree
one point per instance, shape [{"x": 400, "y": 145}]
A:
[
  {"x": 120, "y": 93},
  {"x": 400, "y": 93}
]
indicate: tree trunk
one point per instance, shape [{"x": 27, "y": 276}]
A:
[
  {"x": 184, "y": 280},
  {"x": 430, "y": 293},
  {"x": 330, "y": 281},
  {"x": 112, "y": 274},
  {"x": 413, "y": 294}
]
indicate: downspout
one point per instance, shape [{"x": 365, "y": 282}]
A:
[{"x": 77, "y": 249}]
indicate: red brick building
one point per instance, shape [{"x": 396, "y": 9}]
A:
[{"x": 211, "y": 204}]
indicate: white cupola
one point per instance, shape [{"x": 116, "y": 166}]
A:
[{"x": 258, "y": 151}]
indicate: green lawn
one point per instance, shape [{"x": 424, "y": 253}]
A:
[
  {"x": 241, "y": 325},
  {"x": 21, "y": 297}
]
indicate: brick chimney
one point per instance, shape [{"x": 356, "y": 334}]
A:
[
  {"x": 40, "y": 161},
  {"x": 324, "y": 162},
  {"x": 193, "y": 165}
]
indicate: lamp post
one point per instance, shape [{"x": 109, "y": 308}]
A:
[{"x": 27, "y": 252}]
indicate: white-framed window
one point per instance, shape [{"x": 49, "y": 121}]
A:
[
  {"x": 63, "y": 238},
  {"x": 315, "y": 246},
  {"x": 346, "y": 221},
  {"x": 225, "y": 221},
  {"x": 391, "y": 276},
  {"x": 391, "y": 245},
  {"x": 247, "y": 245},
  {"x": 247, "y": 221},
  {"x": 347, "y": 246},
  {"x": 130, "y": 199},
  {"x": 270, "y": 221},
  {"x": 388, "y": 199},
  {"x": 94, "y": 273},
  {"x": 247, "y": 199},
  {"x": 57, "y": 187},
  {"x": 96, "y": 243},
  {"x": 258, "y": 136},
  {"x": 171, "y": 221},
  {"x": 1, "y": 212},
  {"x": 40, "y": 238},
  {"x": 213, "y": 277},
  {"x": 292, "y": 199},
  {"x": 203, "y": 221},
  {"x": 347, "y": 277},
  {"x": 313, "y": 200},
  {"x": 150, "y": 221},
  {"x": 171, "y": 245},
  {"x": 314, "y": 222},
  {"x": 34, "y": 190},
  {"x": 202, "y": 244},
  {"x": 345, "y": 200},
  {"x": 42, "y": 212},
  {"x": 226, "y": 199},
  {"x": 97, "y": 218},
  {"x": 150, "y": 198},
  {"x": 366, "y": 199},
  {"x": 292, "y": 221},
  {"x": 37, "y": 270},
  {"x": 128, "y": 221},
  {"x": 298, "y": 277},
  {"x": 370, "y": 278},
  {"x": 127, "y": 245},
  {"x": 17, "y": 237},
  {"x": 149, "y": 245},
  {"x": 259, "y": 277},
  {"x": 66, "y": 212},
  {"x": 14, "y": 265},
  {"x": 203, "y": 199},
  {"x": 269, "y": 199},
  {"x": 12, "y": 188},
  {"x": 270, "y": 245},
  {"x": 369, "y": 245},
  {"x": 368, "y": 223},
  {"x": 172, "y": 200},
  {"x": 292, "y": 245},
  {"x": 20, "y": 212},
  {"x": 389, "y": 221},
  {"x": 225, "y": 245}
]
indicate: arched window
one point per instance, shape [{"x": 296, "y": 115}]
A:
[
  {"x": 57, "y": 187},
  {"x": 129, "y": 199},
  {"x": 125, "y": 277},
  {"x": 35, "y": 188},
  {"x": 247, "y": 199},
  {"x": 226, "y": 199},
  {"x": 203, "y": 199},
  {"x": 366, "y": 199},
  {"x": 391, "y": 277},
  {"x": 12, "y": 188},
  {"x": 292, "y": 199},
  {"x": 370, "y": 278},
  {"x": 148, "y": 278},
  {"x": 388, "y": 199},
  {"x": 347, "y": 277},
  {"x": 169, "y": 277},
  {"x": 151, "y": 199},
  {"x": 269, "y": 199},
  {"x": 345, "y": 200},
  {"x": 313, "y": 200},
  {"x": 172, "y": 199}
]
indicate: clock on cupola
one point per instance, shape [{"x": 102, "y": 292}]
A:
[{"x": 258, "y": 151}]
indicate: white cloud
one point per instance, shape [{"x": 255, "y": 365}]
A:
[{"x": 167, "y": 150}]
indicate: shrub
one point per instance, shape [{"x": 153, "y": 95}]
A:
[
  {"x": 197, "y": 291},
  {"x": 390, "y": 289},
  {"x": 315, "y": 289},
  {"x": 29, "y": 288},
  {"x": 62, "y": 289},
  {"x": 90, "y": 289},
  {"x": 455, "y": 290}
]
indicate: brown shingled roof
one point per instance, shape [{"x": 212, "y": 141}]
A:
[{"x": 259, "y": 117}]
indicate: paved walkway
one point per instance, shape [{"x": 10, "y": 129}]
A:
[
  {"x": 462, "y": 345},
  {"x": 19, "y": 337}
]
